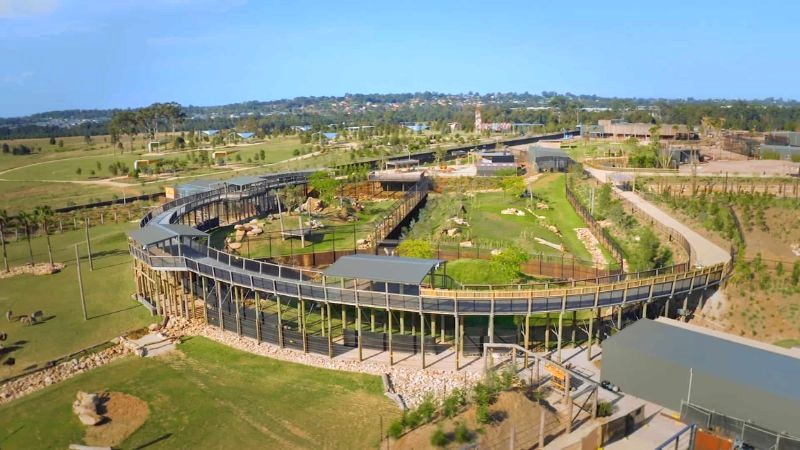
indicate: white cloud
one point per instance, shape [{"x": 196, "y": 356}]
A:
[
  {"x": 18, "y": 79},
  {"x": 23, "y": 8}
]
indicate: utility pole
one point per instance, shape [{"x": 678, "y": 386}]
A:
[
  {"x": 80, "y": 281},
  {"x": 89, "y": 244}
]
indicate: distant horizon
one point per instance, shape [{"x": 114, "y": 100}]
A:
[
  {"x": 480, "y": 94},
  {"x": 63, "y": 55}
]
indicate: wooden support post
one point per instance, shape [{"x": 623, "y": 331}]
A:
[
  {"x": 433, "y": 325},
  {"x": 589, "y": 338},
  {"x": 568, "y": 388},
  {"x": 547, "y": 332},
  {"x": 205, "y": 300},
  {"x": 280, "y": 321},
  {"x": 541, "y": 428},
  {"x": 237, "y": 301},
  {"x": 391, "y": 349},
  {"x": 574, "y": 328},
  {"x": 80, "y": 282},
  {"x": 560, "y": 333},
  {"x": 322, "y": 320},
  {"x": 372, "y": 320},
  {"x": 594, "y": 401},
  {"x": 457, "y": 339},
  {"x": 191, "y": 296},
  {"x": 344, "y": 318},
  {"x": 330, "y": 338},
  {"x": 441, "y": 327},
  {"x": 422, "y": 337},
  {"x": 527, "y": 337},
  {"x": 303, "y": 324},
  {"x": 219, "y": 305},
  {"x": 258, "y": 318},
  {"x": 358, "y": 327},
  {"x": 402, "y": 322}
]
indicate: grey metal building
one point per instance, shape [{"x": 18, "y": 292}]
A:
[
  {"x": 548, "y": 159},
  {"x": 671, "y": 363}
]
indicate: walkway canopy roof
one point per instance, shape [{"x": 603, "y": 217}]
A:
[
  {"x": 243, "y": 181},
  {"x": 402, "y": 162},
  {"x": 154, "y": 233},
  {"x": 391, "y": 269}
]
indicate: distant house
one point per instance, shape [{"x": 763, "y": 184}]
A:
[
  {"x": 622, "y": 129},
  {"x": 781, "y": 144},
  {"x": 246, "y": 135},
  {"x": 548, "y": 159},
  {"x": 210, "y": 133}
]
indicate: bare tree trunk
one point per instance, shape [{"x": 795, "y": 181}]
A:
[
  {"x": 49, "y": 247},
  {"x": 30, "y": 248},
  {"x": 3, "y": 240}
]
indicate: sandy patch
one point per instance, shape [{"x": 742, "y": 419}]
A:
[{"x": 124, "y": 414}]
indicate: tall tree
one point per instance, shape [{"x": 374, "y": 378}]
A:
[
  {"x": 4, "y": 219},
  {"x": 43, "y": 214},
  {"x": 26, "y": 220},
  {"x": 125, "y": 122}
]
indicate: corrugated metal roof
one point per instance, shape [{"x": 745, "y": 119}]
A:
[
  {"x": 727, "y": 370},
  {"x": 383, "y": 268},
  {"x": 154, "y": 233},
  {"x": 536, "y": 151},
  {"x": 244, "y": 180}
]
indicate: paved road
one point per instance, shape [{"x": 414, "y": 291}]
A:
[{"x": 706, "y": 252}]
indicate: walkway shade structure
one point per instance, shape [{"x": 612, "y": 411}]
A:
[
  {"x": 157, "y": 233},
  {"x": 389, "y": 269}
]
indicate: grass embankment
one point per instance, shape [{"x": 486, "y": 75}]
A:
[
  {"x": 212, "y": 396},
  {"x": 108, "y": 288}
]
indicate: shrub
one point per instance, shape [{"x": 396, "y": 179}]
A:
[
  {"x": 412, "y": 419},
  {"x": 427, "y": 408},
  {"x": 438, "y": 438},
  {"x": 482, "y": 414},
  {"x": 453, "y": 402},
  {"x": 396, "y": 429},
  {"x": 604, "y": 409},
  {"x": 461, "y": 433}
]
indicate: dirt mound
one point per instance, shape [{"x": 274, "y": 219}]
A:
[{"x": 124, "y": 414}]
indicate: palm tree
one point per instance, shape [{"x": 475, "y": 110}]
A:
[
  {"x": 26, "y": 219},
  {"x": 43, "y": 214},
  {"x": 4, "y": 219}
]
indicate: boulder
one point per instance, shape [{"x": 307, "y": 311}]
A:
[
  {"x": 452, "y": 232},
  {"x": 90, "y": 419},
  {"x": 465, "y": 244},
  {"x": 240, "y": 235}
]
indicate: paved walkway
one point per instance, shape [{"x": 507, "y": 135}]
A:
[{"x": 706, "y": 252}]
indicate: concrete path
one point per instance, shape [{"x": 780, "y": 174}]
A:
[{"x": 706, "y": 252}]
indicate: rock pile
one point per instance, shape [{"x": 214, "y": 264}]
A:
[
  {"x": 592, "y": 245},
  {"x": 38, "y": 269},
  {"x": 85, "y": 407},
  {"x": 38, "y": 380}
]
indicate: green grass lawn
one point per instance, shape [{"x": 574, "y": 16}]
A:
[
  {"x": 478, "y": 271},
  {"x": 491, "y": 229},
  {"x": 788, "y": 343},
  {"x": 212, "y": 396},
  {"x": 108, "y": 289}
]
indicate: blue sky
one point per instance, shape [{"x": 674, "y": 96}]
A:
[{"x": 64, "y": 54}]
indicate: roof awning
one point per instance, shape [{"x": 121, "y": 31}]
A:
[
  {"x": 154, "y": 233},
  {"x": 390, "y": 269},
  {"x": 244, "y": 180}
]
